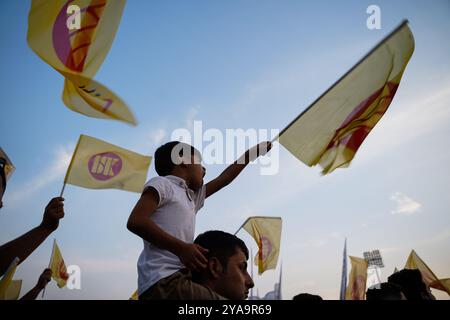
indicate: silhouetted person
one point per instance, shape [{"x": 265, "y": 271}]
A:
[
  {"x": 387, "y": 291},
  {"x": 44, "y": 278},
  {"x": 307, "y": 297},
  {"x": 412, "y": 285}
]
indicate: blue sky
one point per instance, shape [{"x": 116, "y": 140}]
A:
[{"x": 237, "y": 64}]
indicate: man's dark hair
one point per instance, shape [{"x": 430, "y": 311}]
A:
[
  {"x": 307, "y": 297},
  {"x": 221, "y": 245},
  {"x": 387, "y": 291},
  {"x": 163, "y": 156},
  {"x": 411, "y": 283}
]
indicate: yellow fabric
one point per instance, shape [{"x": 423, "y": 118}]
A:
[
  {"x": 97, "y": 164},
  {"x": 78, "y": 54},
  {"x": 135, "y": 296},
  {"x": 13, "y": 291},
  {"x": 415, "y": 262},
  {"x": 330, "y": 132},
  {"x": 58, "y": 267},
  {"x": 267, "y": 233},
  {"x": 7, "y": 279},
  {"x": 356, "y": 289},
  {"x": 9, "y": 167}
]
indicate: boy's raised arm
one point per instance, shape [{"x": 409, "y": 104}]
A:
[{"x": 233, "y": 170}]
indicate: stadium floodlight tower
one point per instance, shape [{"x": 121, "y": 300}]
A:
[{"x": 374, "y": 265}]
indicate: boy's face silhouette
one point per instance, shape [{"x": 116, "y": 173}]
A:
[{"x": 196, "y": 173}]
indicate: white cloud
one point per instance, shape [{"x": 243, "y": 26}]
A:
[
  {"x": 56, "y": 170},
  {"x": 405, "y": 205}
]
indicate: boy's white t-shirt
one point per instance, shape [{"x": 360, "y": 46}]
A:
[{"x": 175, "y": 214}]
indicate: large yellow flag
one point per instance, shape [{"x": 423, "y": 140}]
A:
[
  {"x": 13, "y": 291},
  {"x": 5, "y": 282},
  {"x": 415, "y": 262},
  {"x": 332, "y": 129},
  {"x": 267, "y": 233},
  {"x": 356, "y": 289},
  {"x": 97, "y": 164},
  {"x": 78, "y": 53},
  {"x": 58, "y": 267},
  {"x": 9, "y": 167}
]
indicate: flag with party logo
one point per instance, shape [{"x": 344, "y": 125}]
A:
[
  {"x": 58, "y": 266},
  {"x": 97, "y": 164},
  {"x": 332, "y": 129},
  {"x": 78, "y": 50},
  {"x": 267, "y": 233},
  {"x": 356, "y": 289},
  {"x": 6, "y": 282}
]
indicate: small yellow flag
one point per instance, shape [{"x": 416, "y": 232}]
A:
[
  {"x": 9, "y": 167},
  {"x": 58, "y": 267},
  {"x": 97, "y": 164},
  {"x": 430, "y": 279},
  {"x": 332, "y": 129},
  {"x": 356, "y": 289},
  {"x": 5, "y": 282},
  {"x": 77, "y": 52},
  {"x": 267, "y": 233},
  {"x": 135, "y": 296}
]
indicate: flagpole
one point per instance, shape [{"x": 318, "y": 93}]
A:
[
  {"x": 62, "y": 190},
  {"x": 404, "y": 22}
]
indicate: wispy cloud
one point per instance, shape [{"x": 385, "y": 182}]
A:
[
  {"x": 404, "y": 204},
  {"x": 56, "y": 170}
]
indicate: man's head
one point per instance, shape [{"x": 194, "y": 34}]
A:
[
  {"x": 307, "y": 297},
  {"x": 226, "y": 271},
  {"x": 412, "y": 284},
  {"x": 180, "y": 159},
  {"x": 2, "y": 179},
  {"x": 387, "y": 291}
]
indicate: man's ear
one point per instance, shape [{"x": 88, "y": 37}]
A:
[{"x": 215, "y": 267}]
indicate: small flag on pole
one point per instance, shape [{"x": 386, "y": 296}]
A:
[
  {"x": 356, "y": 289},
  {"x": 97, "y": 164},
  {"x": 58, "y": 267},
  {"x": 267, "y": 233}
]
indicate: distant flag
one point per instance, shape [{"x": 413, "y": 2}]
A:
[
  {"x": 58, "y": 266},
  {"x": 7, "y": 280},
  {"x": 344, "y": 272},
  {"x": 331, "y": 130},
  {"x": 9, "y": 167},
  {"x": 415, "y": 262},
  {"x": 267, "y": 233},
  {"x": 135, "y": 296},
  {"x": 78, "y": 54},
  {"x": 97, "y": 164},
  {"x": 356, "y": 289}
]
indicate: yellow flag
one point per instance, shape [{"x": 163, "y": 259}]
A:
[
  {"x": 267, "y": 233},
  {"x": 13, "y": 291},
  {"x": 58, "y": 267},
  {"x": 332, "y": 129},
  {"x": 78, "y": 53},
  {"x": 135, "y": 296},
  {"x": 9, "y": 167},
  {"x": 445, "y": 283},
  {"x": 7, "y": 279},
  {"x": 97, "y": 164},
  {"x": 415, "y": 262},
  {"x": 356, "y": 289}
]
